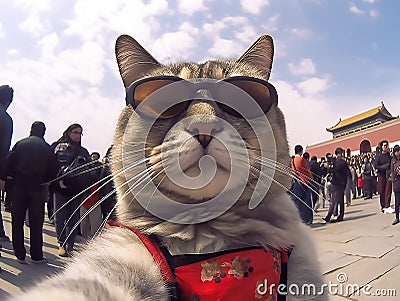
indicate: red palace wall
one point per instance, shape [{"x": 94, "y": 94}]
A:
[{"x": 389, "y": 131}]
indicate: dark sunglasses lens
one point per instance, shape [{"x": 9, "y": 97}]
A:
[
  {"x": 258, "y": 91},
  {"x": 160, "y": 97},
  {"x": 174, "y": 110},
  {"x": 230, "y": 110},
  {"x": 145, "y": 89}
]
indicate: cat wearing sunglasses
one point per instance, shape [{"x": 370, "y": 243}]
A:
[{"x": 200, "y": 164}]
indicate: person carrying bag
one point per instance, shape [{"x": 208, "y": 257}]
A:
[{"x": 73, "y": 159}]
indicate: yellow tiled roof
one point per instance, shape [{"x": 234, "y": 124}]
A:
[{"x": 361, "y": 116}]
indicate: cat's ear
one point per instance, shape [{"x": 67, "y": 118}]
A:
[
  {"x": 260, "y": 54},
  {"x": 133, "y": 60}
]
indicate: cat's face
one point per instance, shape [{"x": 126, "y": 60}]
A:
[{"x": 180, "y": 144}]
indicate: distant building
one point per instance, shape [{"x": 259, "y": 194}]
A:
[{"x": 360, "y": 133}]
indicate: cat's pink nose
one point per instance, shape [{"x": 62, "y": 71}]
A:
[
  {"x": 204, "y": 132},
  {"x": 204, "y": 139}
]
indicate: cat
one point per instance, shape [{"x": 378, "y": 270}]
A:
[{"x": 162, "y": 178}]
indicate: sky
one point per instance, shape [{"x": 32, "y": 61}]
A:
[{"x": 333, "y": 59}]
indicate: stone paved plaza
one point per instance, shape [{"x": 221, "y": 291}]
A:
[{"x": 362, "y": 252}]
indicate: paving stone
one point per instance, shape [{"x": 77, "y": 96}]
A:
[
  {"x": 342, "y": 237},
  {"x": 334, "y": 260},
  {"x": 366, "y": 270},
  {"x": 386, "y": 287},
  {"x": 370, "y": 246}
]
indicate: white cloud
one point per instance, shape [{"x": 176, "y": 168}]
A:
[
  {"x": 173, "y": 46},
  {"x": 212, "y": 30},
  {"x": 189, "y": 7},
  {"x": 299, "y": 111},
  {"x": 253, "y": 7},
  {"x": 272, "y": 24},
  {"x": 369, "y": 1},
  {"x": 355, "y": 10},
  {"x": 223, "y": 48},
  {"x": 48, "y": 44},
  {"x": 1, "y": 30},
  {"x": 135, "y": 18},
  {"x": 300, "y": 32},
  {"x": 34, "y": 25},
  {"x": 247, "y": 34},
  {"x": 83, "y": 64},
  {"x": 36, "y": 6},
  {"x": 304, "y": 67},
  {"x": 189, "y": 28},
  {"x": 373, "y": 13},
  {"x": 12, "y": 51},
  {"x": 314, "y": 85}
]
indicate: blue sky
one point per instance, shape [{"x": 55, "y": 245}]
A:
[{"x": 332, "y": 58}]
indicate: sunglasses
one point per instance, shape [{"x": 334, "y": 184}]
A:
[{"x": 177, "y": 93}]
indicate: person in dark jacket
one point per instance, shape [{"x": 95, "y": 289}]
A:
[
  {"x": 395, "y": 179},
  {"x": 317, "y": 174},
  {"x": 382, "y": 164},
  {"x": 340, "y": 171},
  {"x": 6, "y": 130},
  {"x": 66, "y": 205},
  {"x": 367, "y": 176},
  {"x": 107, "y": 193},
  {"x": 31, "y": 163}
]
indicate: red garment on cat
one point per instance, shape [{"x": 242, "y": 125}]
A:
[
  {"x": 250, "y": 274},
  {"x": 242, "y": 275}
]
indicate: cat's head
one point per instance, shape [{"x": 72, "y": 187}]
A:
[{"x": 197, "y": 140}]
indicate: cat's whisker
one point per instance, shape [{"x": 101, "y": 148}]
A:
[
  {"x": 80, "y": 167},
  {"x": 133, "y": 186},
  {"x": 282, "y": 186},
  {"x": 132, "y": 165},
  {"x": 152, "y": 195},
  {"x": 126, "y": 193},
  {"x": 91, "y": 194},
  {"x": 288, "y": 168},
  {"x": 288, "y": 190},
  {"x": 288, "y": 171}
]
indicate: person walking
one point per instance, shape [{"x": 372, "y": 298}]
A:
[
  {"x": 301, "y": 195},
  {"x": 382, "y": 164},
  {"x": 66, "y": 205},
  {"x": 395, "y": 178},
  {"x": 317, "y": 174},
  {"x": 367, "y": 176},
  {"x": 6, "y": 130},
  {"x": 31, "y": 163},
  {"x": 340, "y": 172}
]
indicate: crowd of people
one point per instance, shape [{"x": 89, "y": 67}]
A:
[
  {"x": 78, "y": 189},
  {"x": 337, "y": 179},
  {"x": 75, "y": 184}
]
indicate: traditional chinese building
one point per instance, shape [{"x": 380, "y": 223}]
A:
[{"x": 360, "y": 133}]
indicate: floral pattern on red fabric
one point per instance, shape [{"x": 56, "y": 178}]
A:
[{"x": 233, "y": 276}]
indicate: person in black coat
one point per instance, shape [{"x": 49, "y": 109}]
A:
[
  {"x": 32, "y": 164},
  {"x": 382, "y": 164},
  {"x": 66, "y": 205},
  {"x": 6, "y": 130},
  {"x": 107, "y": 192},
  {"x": 317, "y": 173},
  {"x": 340, "y": 171}
]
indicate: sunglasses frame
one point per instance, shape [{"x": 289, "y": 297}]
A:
[{"x": 130, "y": 92}]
